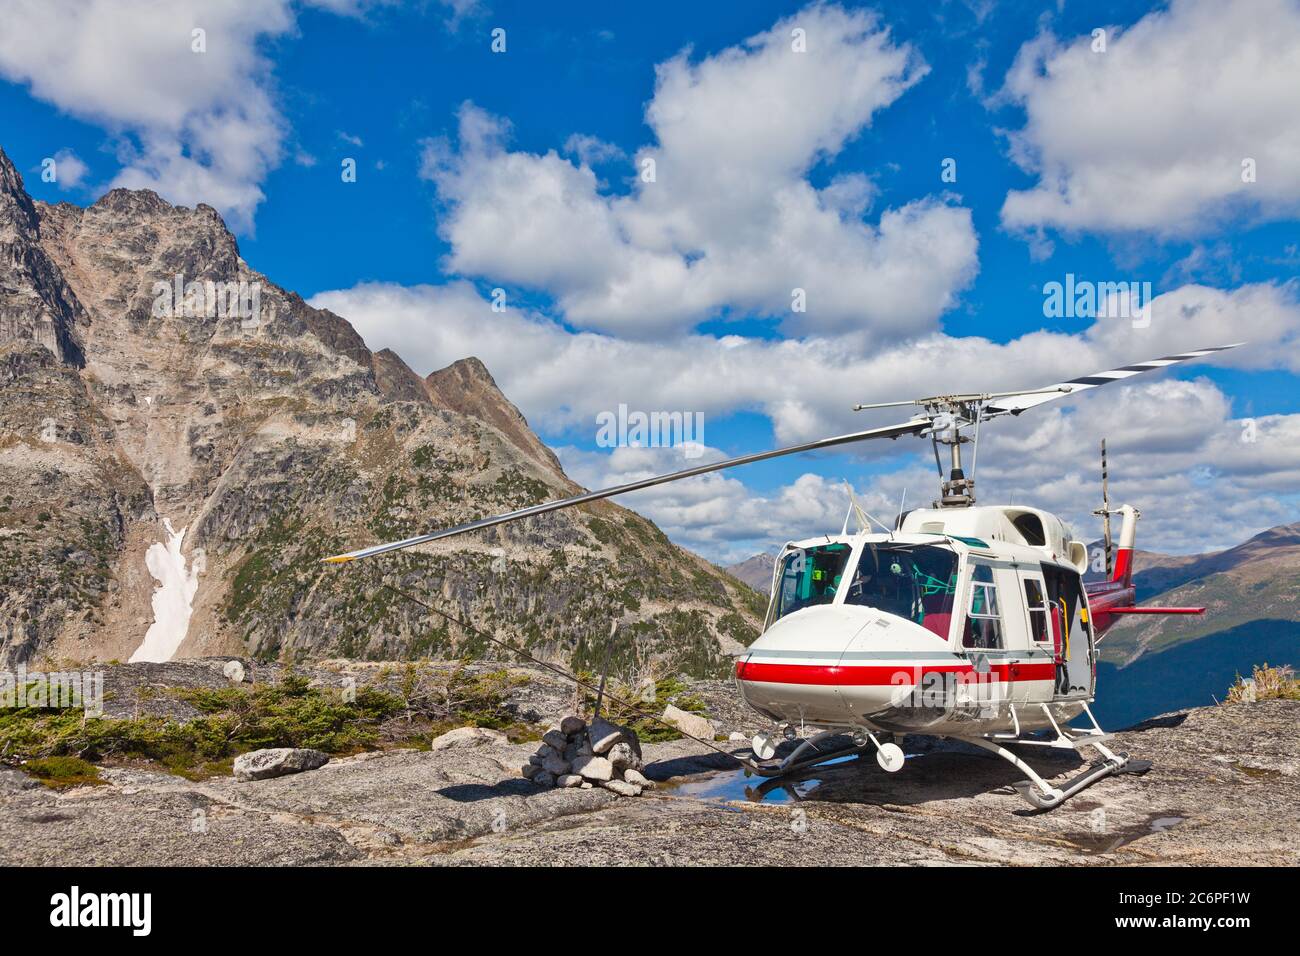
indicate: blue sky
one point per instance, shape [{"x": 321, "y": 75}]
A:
[{"x": 386, "y": 84}]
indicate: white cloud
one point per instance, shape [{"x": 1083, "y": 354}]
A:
[
  {"x": 562, "y": 380},
  {"x": 730, "y": 222},
  {"x": 195, "y": 127},
  {"x": 201, "y": 126},
  {"x": 69, "y": 169},
  {"x": 1162, "y": 433},
  {"x": 592, "y": 151},
  {"x": 1150, "y": 135},
  {"x": 718, "y": 515},
  {"x": 1202, "y": 479}
]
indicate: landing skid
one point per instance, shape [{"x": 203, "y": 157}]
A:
[{"x": 1037, "y": 791}]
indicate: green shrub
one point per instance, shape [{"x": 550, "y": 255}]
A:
[{"x": 60, "y": 772}]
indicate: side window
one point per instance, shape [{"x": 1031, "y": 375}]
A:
[
  {"x": 983, "y": 616},
  {"x": 1036, "y": 601}
]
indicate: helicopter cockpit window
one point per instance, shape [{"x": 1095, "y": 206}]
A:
[
  {"x": 983, "y": 617},
  {"x": 810, "y": 576},
  {"x": 917, "y": 582}
]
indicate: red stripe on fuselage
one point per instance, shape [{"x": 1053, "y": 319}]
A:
[{"x": 883, "y": 674}]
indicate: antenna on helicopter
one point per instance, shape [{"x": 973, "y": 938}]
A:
[{"x": 1105, "y": 509}]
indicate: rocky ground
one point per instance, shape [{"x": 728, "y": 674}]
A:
[{"x": 1222, "y": 791}]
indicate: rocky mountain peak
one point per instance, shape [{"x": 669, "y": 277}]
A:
[
  {"x": 17, "y": 212},
  {"x": 467, "y": 387},
  {"x": 37, "y": 308},
  {"x": 182, "y": 441}
]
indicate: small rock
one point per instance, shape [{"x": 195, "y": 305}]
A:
[
  {"x": 536, "y": 760},
  {"x": 594, "y": 768},
  {"x": 530, "y": 770},
  {"x": 277, "y": 762},
  {"x": 556, "y": 765},
  {"x": 586, "y": 785},
  {"x": 605, "y": 734},
  {"x": 688, "y": 723},
  {"x": 622, "y": 788},
  {"x": 569, "y": 780},
  {"x": 622, "y": 756},
  {"x": 555, "y": 739},
  {"x": 572, "y": 725},
  {"x": 544, "y": 779},
  {"x": 467, "y": 737},
  {"x": 736, "y": 735},
  {"x": 636, "y": 778}
]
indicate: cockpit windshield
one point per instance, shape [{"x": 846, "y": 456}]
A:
[
  {"x": 810, "y": 576},
  {"x": 913, "y": 581}
]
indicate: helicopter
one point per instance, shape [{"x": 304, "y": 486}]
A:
[{"x": 965, "y": 621}]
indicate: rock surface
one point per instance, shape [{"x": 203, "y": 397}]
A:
[{"x": 1225, "y": 776}]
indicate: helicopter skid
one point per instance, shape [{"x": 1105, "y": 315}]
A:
[
  {"x": 1038, "y": 792},
  {"x": 1035, "y": 790}
]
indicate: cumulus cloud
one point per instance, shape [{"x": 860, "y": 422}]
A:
[
  {"x": 1151, "y": 135},
  {"x": 1202, "y": 478},
  {"x": 729, "y": 220},
  {"x": 722, "y": 518},
  {"x": 69, "y": 169},
  {"x": 193, "y": 126},
  {"x": 591, "y": 150},
  {"x": 1166, "y": 435},
  {"x": 563, "y": 379}
]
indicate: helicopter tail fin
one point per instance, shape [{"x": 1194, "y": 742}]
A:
[{"x": 1127, "y": 535}]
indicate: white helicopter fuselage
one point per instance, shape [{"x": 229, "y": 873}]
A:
[{"x": 964, "y": 622}]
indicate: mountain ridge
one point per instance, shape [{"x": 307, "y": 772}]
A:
[
  {"x": 1255, "y": 581},
  {"x": 256, "y": 444}
]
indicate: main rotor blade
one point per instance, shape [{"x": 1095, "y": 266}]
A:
[
  {"x": 1018, "y": 403},
  {"x": 913, "y": 427}
]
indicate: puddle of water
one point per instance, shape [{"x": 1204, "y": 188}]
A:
[
  {"x": 743, "y": 784},
  {"x": 1096, "y": 844}
]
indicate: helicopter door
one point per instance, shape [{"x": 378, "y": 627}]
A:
[
  {"x": 1072, "y": 639},
  {"x": 1043, "y": 631}
]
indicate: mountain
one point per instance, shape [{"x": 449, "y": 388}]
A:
[
  {"x": 755, "y": 571},
  {"x": 182, "y": 441},
  {"x": 1154, "y": 665},
  {"x": 1195, "y": 673},
  {"x": 1243, "y": 588}
]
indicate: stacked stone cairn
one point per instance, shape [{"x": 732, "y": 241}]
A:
[{"x": 604, "y": 754}]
